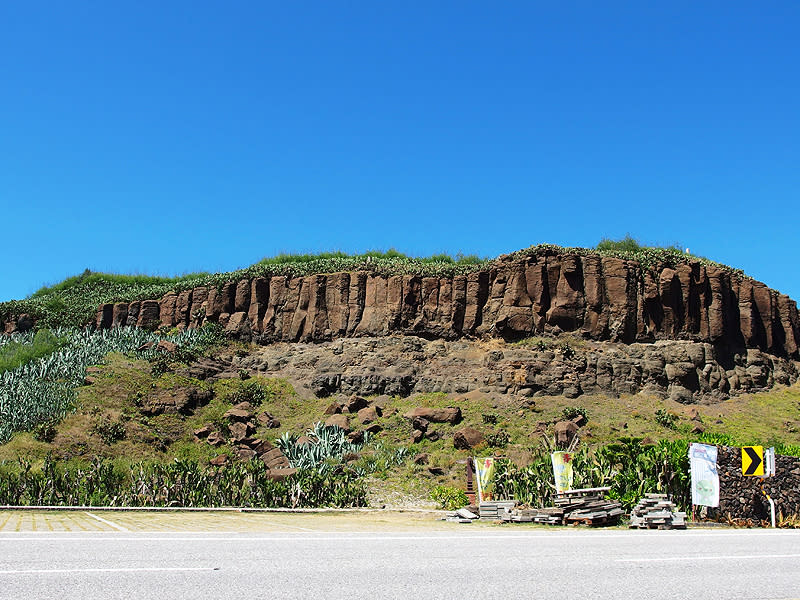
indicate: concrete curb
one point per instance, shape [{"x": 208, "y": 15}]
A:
[{"x": 234, "y": 509}]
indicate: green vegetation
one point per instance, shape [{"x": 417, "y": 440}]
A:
[
  {"x": 19, "y": 350},
  {"x": 571, "y": 412},
  {"x": 179, "y": 483},
  {"x": 449, "y": 498},
  {"x": 42, "y": 391},
  {"x": 666, "y": 419},
  {"x": 630, "y": 467}
]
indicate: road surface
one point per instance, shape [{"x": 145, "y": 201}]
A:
[{"x": 119, "y": 555}]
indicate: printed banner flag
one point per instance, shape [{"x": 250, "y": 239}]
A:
[
  {"x": 484, "y": 473},
  {"x": 562, "y": 470},
  {"x": 705, "y": 480}
]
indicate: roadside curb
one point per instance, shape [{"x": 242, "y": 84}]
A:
[{"x": 233, "y": 509}]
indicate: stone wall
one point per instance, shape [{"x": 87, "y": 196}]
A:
[
  {"x": 600, "y": 298},
  {"x": 741, "y": 497}
]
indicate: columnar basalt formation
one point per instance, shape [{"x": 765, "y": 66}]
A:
[{"x": 600, "y": 298}]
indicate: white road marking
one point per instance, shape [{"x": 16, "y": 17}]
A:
[
  {"x": 693, "y": 558},
  {"x": 120, "y": 570},
  {"x": 285, "y": 536},
  {"x": 107, "y": 522}
]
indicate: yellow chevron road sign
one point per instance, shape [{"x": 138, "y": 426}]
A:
[{"x": 753, "y": 461}]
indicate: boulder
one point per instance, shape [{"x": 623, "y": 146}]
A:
[
  {"x": 355, "y": 437},
  {"x": 420, "y": 423},
  {"x": 204, "y": 431},
  {"x": 263, "y": 448},
  {"x": 280, "y": 473},
  {"x": 341, "y": 420},
  {"x": 564, "y": 432},
  {"x": 219, "y": 460},
  {"x": 451, "y": 414},
  {"x": 167, "y": 347},
  {"x": 215, "y": 438},
  {"x": 466, "y": 438},
  {"x": 268, "y": 420},
  {"x": 182, "y": 400},
  {"x": 275, "y": 459},
  {"x": 239, "y": 431},
  {"x": 354, "y": 404},
  {"x": 333, "y": 409},
  {"x": 237, "y": 414},
  {"x": 245, "y": 454},
  {"x": 421, "y": 458},
  {"x": 368, "y": 415}
]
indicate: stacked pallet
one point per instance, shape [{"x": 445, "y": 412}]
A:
[
  {"x": 496, "y": 509},
  {"x": 655, "y": 511},
  {"x": 588, "y": 506}
]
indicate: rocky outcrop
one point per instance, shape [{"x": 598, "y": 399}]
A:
[
  {"x": 600, "y": 298},
  {"x": 682, "y": 370}
]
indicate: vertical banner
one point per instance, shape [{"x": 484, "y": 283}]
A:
[
  {"x": 484, "y": 474},
  {"x": 705, "y": 480},
  {"x": 562, "y": 470}
]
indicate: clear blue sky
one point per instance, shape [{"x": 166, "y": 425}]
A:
[{"x": 169, "y": 137}]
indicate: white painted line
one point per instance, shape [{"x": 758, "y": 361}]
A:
[
  {"x": 694, "y": 558},
  {"x": 120, "y": 570},
  {"x": 107, "y": 522}
]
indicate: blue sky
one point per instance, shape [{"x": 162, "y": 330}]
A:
[{"x": 170, "y": 137}]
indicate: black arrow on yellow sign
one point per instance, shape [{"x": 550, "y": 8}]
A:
[{"x": 754, "y": 455}]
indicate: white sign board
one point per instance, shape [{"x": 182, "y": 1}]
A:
[{"x": 705, "y": 480}]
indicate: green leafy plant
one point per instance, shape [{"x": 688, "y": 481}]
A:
[
  {"x": 109, "y": 431},
  {"x": 570, "y": 412},
  {"x": 666, "y": 419},
  {"x": 178, "y": 483},
  {"x": 498, "y": 439},
  {"x": 43, "y": 390},
  {"x": 449, "y": 498}
]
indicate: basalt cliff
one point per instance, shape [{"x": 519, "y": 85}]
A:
[
  {"x": 600, "y": 298},
  {"x": 730, "y": 333}
]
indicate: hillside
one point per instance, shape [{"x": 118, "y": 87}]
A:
[{"x": 641, "y": 347}]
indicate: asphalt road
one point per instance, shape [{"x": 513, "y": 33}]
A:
[{"x": 462, "y": 561}]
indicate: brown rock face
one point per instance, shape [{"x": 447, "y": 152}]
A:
[
  {"x": 601, "y": 298},
  {"x": 180, "y": 400}
]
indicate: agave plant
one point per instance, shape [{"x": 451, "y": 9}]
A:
[{"x": 43, "y": 390}]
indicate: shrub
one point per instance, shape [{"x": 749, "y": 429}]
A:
[
  {"x": 666, "y": 419},
  {"x": 498, "y": 439},
  {"x": 109, "y": 431},
  {"x": 45, "y": 432},
  {"x": 570, "y": 412},
  {"x": 449, "y": 498}
]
